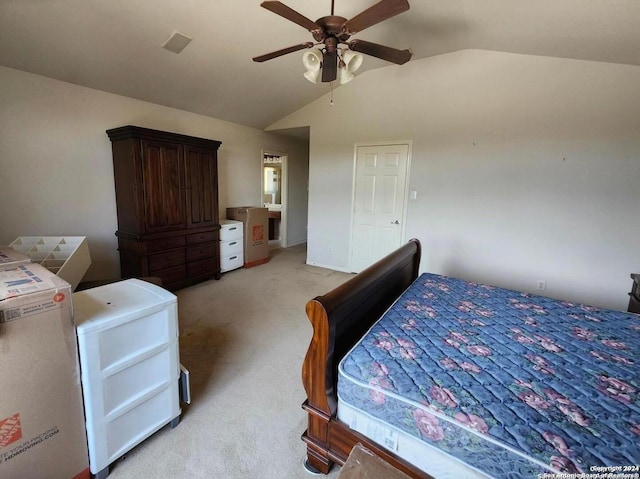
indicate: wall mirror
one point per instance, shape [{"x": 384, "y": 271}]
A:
[
  {"x": 272, "y": 180},
  {"x": 274, "y": 195}
]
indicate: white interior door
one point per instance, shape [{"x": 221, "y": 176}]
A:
[{"x": 379, "y": 202}]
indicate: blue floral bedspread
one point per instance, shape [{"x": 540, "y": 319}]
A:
[{"x": 510, "y": 383}]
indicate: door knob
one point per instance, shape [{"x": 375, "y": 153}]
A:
[{"x": 396, "y": 222}]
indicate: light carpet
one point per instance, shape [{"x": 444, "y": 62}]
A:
[{"x": 243, "y": 339}]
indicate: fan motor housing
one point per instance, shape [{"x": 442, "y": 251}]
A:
[{"x": 332, "y": 26}]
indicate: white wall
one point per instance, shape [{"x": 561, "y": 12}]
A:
[
  {"x": 297, "y": 194},
  {"x": 57, "y": 171},
  {"x": 526, "y": 168}
]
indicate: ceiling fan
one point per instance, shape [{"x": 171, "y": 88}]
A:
[{"x": 333, "y": 30}]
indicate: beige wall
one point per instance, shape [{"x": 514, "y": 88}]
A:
[
  {"x": 56, "y": 167},
  {"x": 297, "y": 194},
  {"x": 526, "y": 168}
]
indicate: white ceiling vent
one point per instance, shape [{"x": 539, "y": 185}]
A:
[{"x": 177, "y": 42}]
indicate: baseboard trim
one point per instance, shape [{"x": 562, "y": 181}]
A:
[
  {"x": 289, "y": 245},
  {"x": 326, "y": 266}
]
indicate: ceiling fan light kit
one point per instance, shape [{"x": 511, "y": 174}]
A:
[
  {"x": 348, "y": 63},
  {"x": 333, "y": 56}
]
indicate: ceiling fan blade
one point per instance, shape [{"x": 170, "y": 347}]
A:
[
  {"x": 393, "y": 55},
  {"x": 284, "y": 51},
  {"x": 290, "y": 14},
  {"x": 375, "y": 14},
  {"x": 329, "y": 66}
]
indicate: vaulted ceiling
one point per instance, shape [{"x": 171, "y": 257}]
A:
[{"x": 116, "y": 45}]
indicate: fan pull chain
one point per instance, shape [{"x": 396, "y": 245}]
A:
[{"x": 331, "y": 98}]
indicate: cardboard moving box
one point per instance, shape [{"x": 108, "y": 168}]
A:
[
  {"x": 10, "y": 258},
  {"x": 256, "y": 233},
  {"x": 364, "y": 464},
  {"x": 42, "y": 433}
]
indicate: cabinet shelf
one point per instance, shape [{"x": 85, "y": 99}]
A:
[{"x": 65, "y": 256}]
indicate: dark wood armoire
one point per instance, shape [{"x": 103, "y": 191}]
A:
[{"x": 167, "y": 205}]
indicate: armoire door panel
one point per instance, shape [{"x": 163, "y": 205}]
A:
[
  {"x": 163, "y": 186},
  {"x": 202, "y": 200}
]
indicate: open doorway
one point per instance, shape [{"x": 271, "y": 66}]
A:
[
  {"x": 274, "y": 196},
  {"x": 293, "y": 148}
]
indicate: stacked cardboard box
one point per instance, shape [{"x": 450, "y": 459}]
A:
[
  {"x": 256, "y": 233},
  {"x": 42, "y": 432},
  {"x": 10, "y": 258}
]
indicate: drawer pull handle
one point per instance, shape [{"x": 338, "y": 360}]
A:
[
  {"x": 232, "y": 243},
  {"x": 233, "y": 257},
  {"x": 233, "y": 228}
]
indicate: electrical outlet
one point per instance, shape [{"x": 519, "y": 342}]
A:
[{"x": 541, "y": 285}]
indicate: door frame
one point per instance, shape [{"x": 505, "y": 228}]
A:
[
  {"x": 405, "y": 200},
  {"x": 284, "y": 199}
]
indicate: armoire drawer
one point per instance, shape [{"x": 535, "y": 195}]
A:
[
  {"x": 201, "y": 251},
  {"x": 165, "y": 243},
  {"x": 201, "y": 268},
  {"x": 227, "y": 248},
  {"x": 172, "y": 275},
  {"x": 201, "y": 237},
  {"x": 165, "y": 260}
]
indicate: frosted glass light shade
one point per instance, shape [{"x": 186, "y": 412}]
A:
[
  {"x": 352, "y": 62},
  {"x": 312, "y": 61}
]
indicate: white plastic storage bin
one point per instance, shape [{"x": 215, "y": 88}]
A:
[
  {"x": 65, "y": 256},
  {"x": 231, "y": 245},
  {"x": 130, "y": 366}
]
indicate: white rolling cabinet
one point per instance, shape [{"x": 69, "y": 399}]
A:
[
  {"x": 231, "y": 245},
  {"x": 130, "y": 367}
]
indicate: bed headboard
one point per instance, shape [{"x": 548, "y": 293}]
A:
[{"x": 342, "y": 316}]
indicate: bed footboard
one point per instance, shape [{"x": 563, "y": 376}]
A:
[{"x": 339, "y": 319}]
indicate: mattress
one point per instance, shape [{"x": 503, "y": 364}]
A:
[{"x": 509, "y": 383}]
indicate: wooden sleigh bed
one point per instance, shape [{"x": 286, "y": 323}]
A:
[
  {"x": 339, "y": 319},
  {"x": 508, "y": 384}
]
